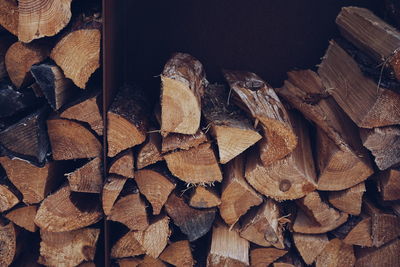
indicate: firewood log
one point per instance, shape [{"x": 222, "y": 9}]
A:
[
  {"x": 261, "y": 101},
  {"x": 37, "y": 19},
  {"x": 193, "y": 222},
  {"x": 335, "y": 254},
  {"x": 123, "y": 164},
  {"x": 8, "y": 243},
  {"x": 178, "y": 254},
  {"x": 289, "y": 178},
  {"x": 387, "y": 255},
  {"x": 127, "y": 246},
  {"x": 129, "y": 262},
  {"x": 237, "y": 195},
  {"x": 262, "y": 226},
  {"x": 71, "y": 140},
  {"x": 389, "y": 184},
  {"x": 227, "y": 247},
  {"x": 6, "y": 41},
  {"x": 9, "y": 16},
  {"x": 68, "y": 248},
  {"x": 384, "y": 145},
  {"x": 24, "y": 217},
  {"x": 59, "y": 213},
  {"x": 310, "y": 246},
  {"x": 111, "y": 190},
  {"x": 369, "y": 107},
  {"x": 305, "y": 91},
  {"x": 363, "y": 29},
  {"x": 359, "y": 232},
  {"x": 231, "y": 129},
  {"x": 306, "y": 225},
  {"x": 176, "y": 141},
  {"x": 155, "y": 186},
  {"x": 183, "y": 80},
  {"x": 88, "y": 178},
  {"x": 27, "y": 138},
  {"x": 127, "y": 120},
  {"x": 348, "y": 200},
  {"x": 204, "y": 197},
  {"x": 149, "y": 152},
  {"x": 149, "y": 261},
  {"x": 260, "y": 257},
  {"x": 9, "y": 196}
]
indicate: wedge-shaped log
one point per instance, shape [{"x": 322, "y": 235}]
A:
[
  {"x": 178, "y": 254},
  {"x": 359, "y": 232},
  {"x": 88, "y": 178},
  {"x": 123, "y": 164},
  {"x": 24, "y": 217},
  {"x": 8, "y": 243},
  {"x": 204, "y": 197},
  {"x": 348, "y": 200},
  {"x": 127, "y": 246},
  {"x": 387, "y": 255},
  {"x": 310, "y": 246},
  {"x": 8, "y": 196},
  {"x": 306, "y": 225},
  {"x": 389, "y": 184},
  {"x": 150, "y": 152},
  {"x": 260, "y": 257},
  {"x": 335, "y": 254},
  {"x": 111, "y": 190}
]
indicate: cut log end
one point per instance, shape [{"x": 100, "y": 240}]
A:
[{"x": 204, "y": 197}]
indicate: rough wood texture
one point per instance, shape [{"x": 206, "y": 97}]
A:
[
  {"x": 261, "y": 101},
  {"x": 360, "y": 97},
  {"x": 8, "y": 198},
  {"x": 88, "y": 178},
  {"x": 27, "y": 138},
  {"x": 204, "y": 197},
  {"x": 263, "y": 227},
  {"x": 130, "y": 210},
  {"x": 229, "y": 126},
  {"x": 149, "y": 261},
  {"x": 129, "y": 262},
  {"x": 111, "y": 190},
  {"x": 176, "y": 141},
  {"x": 86, "y": 110},
  {"x": 127, "y": 246},
  {"x": 346, "y": 162},
  {"x": 227, "y": 248},
  {"x": 387, "y": 255},
  {"x": 237, "y": 195},
  {"x": 24, "y": 217},
  {"x": 68, "y": 248},
  {"x": 310, "y": 246},
  {"x": 335, "y": 254},
  {"x": 8, "y": 243},
  {"x": 348, "y": 200},
  {"x": 306, "y": 225},
  {"x": 260, "y": 257},
  {"x": 71, "y": 140},
  {"x": 37, "y": 19},
  {"x": 196, "y": 165},
  {"x": 58, "y": 213},
  {"x": 384, "y": 144},
  {"x": 127, "y": 120},
  {"x": 289, "y": 178},
  {"x": 155, "y": 186},
  {"x": 123, "y": 165},
  {"x": 361, "y": 27},
  {"x": 150, "y": 152},
  {"x": 183, "y": 80},
  {"x": 389, "y": 184},
  {"x": 9, "y": 16},
  {"x": 193, "y": 222},
  {"x": 178, "y": 254},
  {"x": 360, "y": 234}
]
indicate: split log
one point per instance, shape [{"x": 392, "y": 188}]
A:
[
  {"x": 196, "y": 165},
  {"x": 71, "y": 140},
  {"x": 306, "y": 225},
  {"x": 348, "y": 200},
  {"x": 129, "y": 262},
  {"x": 19, "y": 59},
  {"x": 88, "y": 178},
  {"x": 237, "y": 195},
  {"x": 9, "y": 16},
  {"x": 59, "y": 213},
  {"x": 8, "y": 243},
  {"x": 155, "y": 186},
  {"x": 13, "y": 101},
  {"x": 367, "y": 104},
  {"x": 78, "y": 52},
  {"x": 289, "y": 178},
  {"x": 261, "y": 101},
  {"x": 55, "y": 87},
  {"x": 33, "y": 182},
  {"x": 260, "y": 257},
  {"x": 360, "y": 233},
  {"x": 227, "y": 248},
  {"x": 24, "y": 217},
  {"x": 178, "y": 254},
  {"x": 6, "y": 42},
  {"x": 183, "y": 80},
  {"x": 111, "y": 190},
  {"x": 384, "y": 144},
  {"x": 127, "y": 120},
  {"x": 193, "y": 222},
  {"x": 123, "y": 165},
  {"x": 130, "y": 210},
  {"x": 149, "y": 261},
  {"x": 37, "y": 19},
  {"x": 336, "y": 254},
  {"x": 155, "y": 238},
  {"x": 204, "y": 197},
  {"x": 263, "y": 227},
  {"x": 361, "y": 27},
  {"x": 387, "y": 255},
  {"x": 230, "y": 127},
  {"x": 86, "y": 109},
  {"x": 8, "y": 197},
  {"x": 127, "y": 246},
  {"x": 346, "y": 162},
  {"x": 389, "y": 184},
  {"x": 150, "y": 152},
  {"x": 176, "y": 141},
  {"x": 310, "y": 246},
  {"x": 27, "y": 138},
  {"x": 68, "y": 248}
]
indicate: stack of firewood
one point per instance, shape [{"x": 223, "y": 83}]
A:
[{"x": 50, "y": 129}]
